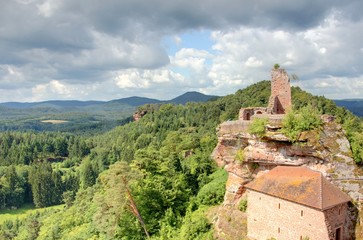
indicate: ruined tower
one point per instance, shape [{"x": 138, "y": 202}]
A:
[{"x": 280, "y": 99}]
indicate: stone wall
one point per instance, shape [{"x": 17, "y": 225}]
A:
[
  {"x": 273, "y": 217},
  {"x": 335, "y": 218},
  {"x": 280, "y": 99},
  {"x": 231, "y": 127}
]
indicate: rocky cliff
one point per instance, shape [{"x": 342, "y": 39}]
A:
[{"x": 246, "y": 156}]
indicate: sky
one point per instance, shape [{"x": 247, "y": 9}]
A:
[{"x": 110, "y": 49}]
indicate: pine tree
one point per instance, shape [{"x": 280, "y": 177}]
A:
[{"x": 42, "y": 184}]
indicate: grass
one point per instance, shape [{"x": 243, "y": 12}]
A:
[{"x": 21, "y": 213}]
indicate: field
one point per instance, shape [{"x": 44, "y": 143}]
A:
[
  {"x": 21, "y": 213},
  {"x": 54, "y": 121}
]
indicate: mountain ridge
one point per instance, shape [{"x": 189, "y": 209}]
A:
[
  {"x": 353, "y": 105},
  {"x": 192, "y": 96}
]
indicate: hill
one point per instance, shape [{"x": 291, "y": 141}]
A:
[
  {"x": 51, "y": 104},
  {"x": 353, "y": 105},
  {"x": 79, "y": 116},
  {"x": 191, "y": 97}
]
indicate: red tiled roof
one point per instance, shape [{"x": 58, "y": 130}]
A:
[{"x": 301, "y": 185}]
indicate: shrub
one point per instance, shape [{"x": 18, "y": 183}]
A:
[
  {"x": 240, "y": 156},
  {"x": 258, "y": 127},
  {"x": 295, "y": 122},
  {"x": 242, "y": 206},
  {"x": 213, "y": 192},
  {"x": 196, "y": 227},
  {"x": 356, "y": 142}
]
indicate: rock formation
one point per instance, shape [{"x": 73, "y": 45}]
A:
[
  {"x": 138, "y": 115},
  {"x": 245, "y": 156}
]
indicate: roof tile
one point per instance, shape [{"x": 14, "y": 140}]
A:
[{"x": 301, "y": 185}]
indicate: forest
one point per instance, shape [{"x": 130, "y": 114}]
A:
[{"x": 153, "y": 177}]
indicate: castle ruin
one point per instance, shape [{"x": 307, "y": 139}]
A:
[{"x": 280, "y": 99}]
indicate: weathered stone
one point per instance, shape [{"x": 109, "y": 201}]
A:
[
  {"x": 280, "y": 99},
  {"x": 138, "y": 115}
]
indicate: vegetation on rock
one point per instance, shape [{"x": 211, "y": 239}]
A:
[
  {"x": 258, "y": 127},
  {"x": 295, "y": 122}
]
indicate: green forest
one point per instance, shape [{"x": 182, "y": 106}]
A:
[{"x": 153, "y": 177}]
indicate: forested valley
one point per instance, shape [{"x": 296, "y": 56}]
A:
[{"x": 151, "y": 177}]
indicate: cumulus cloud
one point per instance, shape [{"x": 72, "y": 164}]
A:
[{"x": 108, "y": 49}]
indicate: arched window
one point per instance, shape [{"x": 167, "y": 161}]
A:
[{"x": 248, "y": 116}]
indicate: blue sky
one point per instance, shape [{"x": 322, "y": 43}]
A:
[
  {"x": 198, "y": 39},
  {"x": 103, "y": 50}
]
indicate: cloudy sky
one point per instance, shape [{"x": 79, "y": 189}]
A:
[{"x": 108, "y": 49}]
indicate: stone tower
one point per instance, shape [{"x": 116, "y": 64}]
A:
[{"x": 280, "y": 99}]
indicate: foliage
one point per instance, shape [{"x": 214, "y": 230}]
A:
[
  {"x": 212, "y": 193},
  {"x": 258, "y": 127},
  {"x": 240, "y": 156},
  {"x": 242, "y": 206},
  {"x": 40, "y": 178},
  {"x": 356, "y": 142},
  {"x": 196, "y": 227},
  {"x": 295, "y": 122}
]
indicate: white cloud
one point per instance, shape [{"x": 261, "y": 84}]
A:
[
  {"x": 137, "y": 78},
  {"x": 253, "y": 62},
  {"x": 54, "y": 88},
  {"x": 191, "y": 59}
]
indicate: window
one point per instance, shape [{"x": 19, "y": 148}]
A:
[
  {"x": 302, "y": 213},
  {"x": 278, "y": 230},
  {"x": 279, "y": 205}
]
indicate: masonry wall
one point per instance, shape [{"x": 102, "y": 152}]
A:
[
  {"x": 269, "y": 217},
  {"x": 280, "y": 99},
  {"x": 231, "y": 127},
  {"x": 335, "y": 218}
]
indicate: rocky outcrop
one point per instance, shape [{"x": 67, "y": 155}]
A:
[
  {"x": 138, "y": 115},
  {"x": 246, "y": 156}
]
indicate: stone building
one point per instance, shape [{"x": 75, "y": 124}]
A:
[
  {"x": 296, "y": 203},
  {"x": 280, "y": 99}
]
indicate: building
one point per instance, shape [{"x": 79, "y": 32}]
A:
[
  {"x": 290, "y": 203},
  {"x": 279, "y": 101}
]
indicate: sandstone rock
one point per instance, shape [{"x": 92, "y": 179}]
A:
[{"x": 327, "y": 151}]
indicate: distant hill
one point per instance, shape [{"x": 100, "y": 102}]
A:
[
  {"x": 135, "y": 101},
  {"x": 53, "y": 103},
  {"x": 131, "y": 101},
  {"x": 73, "y": 115},
  {"x": 353, "y": 105},
  {"x": 191, "y": 97}
]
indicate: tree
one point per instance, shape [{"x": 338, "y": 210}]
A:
[
  {"x": 88, "y": 174},
  {"x": 42, "y": 184},
  {"x": 58, "y": 187}
]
